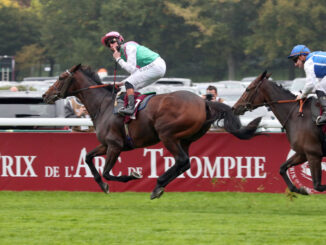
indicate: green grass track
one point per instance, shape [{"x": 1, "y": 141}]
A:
[{"x": 175, "y": 218}]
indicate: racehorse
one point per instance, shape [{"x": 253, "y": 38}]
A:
[
  {"x": 305, "y": 137},
  {"x": 176, "y": 119}
]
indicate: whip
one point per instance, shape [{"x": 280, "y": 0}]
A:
[{"x": 114, "y": 75}]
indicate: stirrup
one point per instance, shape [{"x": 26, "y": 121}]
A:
[
  {"x": 318, "y": 121},
  {"x": 124, "y": 111}
]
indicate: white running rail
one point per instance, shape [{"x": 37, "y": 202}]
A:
[{"x": 265, "y": 123}]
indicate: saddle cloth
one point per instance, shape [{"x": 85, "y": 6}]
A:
[{"x": 141, "y": 101}]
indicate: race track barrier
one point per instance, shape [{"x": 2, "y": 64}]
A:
[
  {"x": 58, "y": 121},
  {"x": 87, "y": 122}
]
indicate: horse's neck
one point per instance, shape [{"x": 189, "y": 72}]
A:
[
  {"x": 96, "y": 99},
  {"x": 273, "y": 97}
]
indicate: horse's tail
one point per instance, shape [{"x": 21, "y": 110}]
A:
[{"x": 232, "y": 124}]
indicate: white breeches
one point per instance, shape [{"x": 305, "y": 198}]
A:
[{"x": 147, "y": 74}]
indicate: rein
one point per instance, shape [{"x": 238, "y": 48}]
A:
[
  {"x": 97, "y": 86},
  {"x": 65, "y": 86},
  {"x": 249, "y": 105},
  {"x": 302, "y": 101},
  {"x": 90, "y": 87},
  {"x": 67, "y": 83}
]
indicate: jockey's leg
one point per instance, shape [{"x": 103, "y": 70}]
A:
[
  {"x": 129, "y": 110},
  {"x": 322, "y": 100}
]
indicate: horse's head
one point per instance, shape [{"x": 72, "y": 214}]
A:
[
  {"x": 251, "y": 98},
  {"x": 60, "y": 89}
]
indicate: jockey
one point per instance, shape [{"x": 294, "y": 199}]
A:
[
  {"x": 144, "y": 65},
  {"x": 314, "y": 65}
]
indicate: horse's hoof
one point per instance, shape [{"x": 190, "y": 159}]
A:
[
  {"x": 136, "y": 175},
  {"x": 303, "y": 191},
  {"x": 105, "y": 188},
  {"x": 157, "y": 193}
]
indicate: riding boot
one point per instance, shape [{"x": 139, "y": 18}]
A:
[
  {"x": 321, "y": 120},
  {"x": 129, "y": 110}
]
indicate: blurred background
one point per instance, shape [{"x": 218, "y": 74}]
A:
[
  {"x": 201, "y": 40},
  {"x": 222, "y": 43}
]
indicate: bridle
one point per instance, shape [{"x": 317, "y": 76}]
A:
[
  {"x": 249, "y": 102},
  {"x": 248, "y": 105},
  {"x": 62, "y": 89},
  {"x": 66, "y": 83}
]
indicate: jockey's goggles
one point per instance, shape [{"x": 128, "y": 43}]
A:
[{"x": 111, "y": 41}]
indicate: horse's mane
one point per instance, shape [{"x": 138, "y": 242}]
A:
[
  {"x": 280, "y": 87},
  {"x": 87, "y": 70}
]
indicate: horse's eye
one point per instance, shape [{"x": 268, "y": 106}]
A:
[{"x": 247, "y": 89}]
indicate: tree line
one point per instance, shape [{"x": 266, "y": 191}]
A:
[{"x": 205, "y": 40}]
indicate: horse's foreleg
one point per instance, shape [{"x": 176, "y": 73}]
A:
[
  {"x": 181, "y": 165},
  {"x": 98, "y": 151},
  {"x": 111, "y": 158},
  {"x": 316, "y": 173},
  {"x": 292, "y": 161}
]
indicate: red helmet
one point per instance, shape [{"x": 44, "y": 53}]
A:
[{"x": 110, "y": 35}]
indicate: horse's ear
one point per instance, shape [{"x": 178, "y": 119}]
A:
[
  {"x": 263, "y": 75},
  {"x": 75, "y": 68},
  {"x": 268, "y": 75}
]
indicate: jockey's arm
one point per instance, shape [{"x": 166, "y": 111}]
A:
[
  {"x": 131, "y": 64},
  {"x": 311, "y": 78}
]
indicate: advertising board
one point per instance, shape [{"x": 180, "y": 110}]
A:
[{"x": 219, "y": 162}]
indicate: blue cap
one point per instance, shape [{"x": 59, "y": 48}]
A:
[{"x": 299, "y": 50}]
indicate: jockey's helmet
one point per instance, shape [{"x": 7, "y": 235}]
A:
[
  {"x": 111, "y": 35},
  {"x": 299, "y": 50}
]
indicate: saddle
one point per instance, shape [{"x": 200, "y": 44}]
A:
[
  {"x": 141, "y": 101},
  {"x": 315, "y": 112}
]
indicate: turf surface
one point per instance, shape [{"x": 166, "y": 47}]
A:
[{"x": 175, "y": 218}]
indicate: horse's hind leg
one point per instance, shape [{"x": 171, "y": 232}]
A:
[
  {"x": 182, "y": 163},
  {"x": 98, "y": 151},
  {"x": 296, "y": 159},
  {"x": 111, "y": 158}
]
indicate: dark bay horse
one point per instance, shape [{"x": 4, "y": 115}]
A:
[
  {"x": 305, "y": 137},
  {"x": 176, "y": 119}
]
